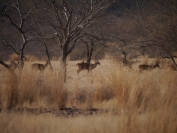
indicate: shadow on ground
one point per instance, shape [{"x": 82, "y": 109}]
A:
[{"x": 64, "y": 112}]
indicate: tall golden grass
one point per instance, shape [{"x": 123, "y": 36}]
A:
[
  {"x": 32, "y": 88},
  {"x": 131, "y": 101}
]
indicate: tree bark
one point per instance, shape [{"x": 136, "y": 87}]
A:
[
  {"x": 89, "y": 53},
  {"x": 63, "y": 63},
  {"x": 48, "y": 56},
  {"x": 173, "y": 60},
  {"x": 171, "y": 57},
  {"x": 4, "y": 64},
  {"x": 125, "y": 58}
]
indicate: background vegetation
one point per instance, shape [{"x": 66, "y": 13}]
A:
[{"x": 145, "y": 27}]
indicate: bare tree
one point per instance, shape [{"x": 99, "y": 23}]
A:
[
  {"x": 124, "y": 33},
  {"x": 159, "y": 23},
  {"x": 91, "y": 41},
  {"x": 48, "y": 55},
  {"x": 18, "y": 17},
  {"x": 72, "y": 22}
]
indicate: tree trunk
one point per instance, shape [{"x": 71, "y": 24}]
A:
[
  {"x": 21, "y": 54},
  {"x": 21, "y": 62},
  {"x": 125, "y": 58},
  {"x": 89, "y": 53},
  {"x": 173, "y": 60},
  {"x": 63, "y": 63},
  {"x": 48, "y": 56},
  {"x": 171, "y": 57}
]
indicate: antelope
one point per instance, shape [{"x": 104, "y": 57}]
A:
[
  {"x": 172, "y": 67},
  {"x": 40, "y": 67},
  {"x": 11, "y": 67},
  {"x": 148, "y": 67},
  {"x": 82, "y": 66},
  {"x": 130, "y": 63},
  {"x": 87, "y": 66}
]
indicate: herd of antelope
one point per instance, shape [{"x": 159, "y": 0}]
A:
[
  {"x": 150, "y": 67},
  {"x": 81, "y": 66},
  {"x": 36, "y": 66}
]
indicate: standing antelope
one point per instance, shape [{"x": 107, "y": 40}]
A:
[
  {"x": 148, "y": 67},
  {"x": 12, "y": 66},
  {"x": 130, "y": 63},
  {"x": 86, "y": 66},
  {"x": 40, "y": 67},
  {"x": 172, "y": 67}
]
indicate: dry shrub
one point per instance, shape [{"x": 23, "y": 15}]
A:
[
  {"x": 104, "y": 86},
  {"x": 103, "y": 94},
  {"x": 145, "y": 91},
  {"x": 149, "y": 96},
  {"x": 115, "y": 84},
  {"x": 81, "y": 98},
  {"x": 10, "y": 93},
  {"x": 148, "y": 99},
  {"x": 34, "y": 89}
]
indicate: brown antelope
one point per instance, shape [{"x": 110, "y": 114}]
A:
[
  {"x": 131, "y": 63},
  {"x": 172, "y": 67},
  {"x": 86, "y": 66},
  {"x": 148, "y": 67},
  {"x": 12, "y": 66},
  {"x": 40, "y": 67}
]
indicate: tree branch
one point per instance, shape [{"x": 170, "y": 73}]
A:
[
  {"x": 4, "y": 64},
  {"x": 10, "y": 19}
]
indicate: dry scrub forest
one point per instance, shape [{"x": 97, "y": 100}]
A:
[{"x": 49, "y": 82}]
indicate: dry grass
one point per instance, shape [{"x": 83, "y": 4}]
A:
[
  {"x": 130, "y": 101},
  {"x": 33, "y": 88},
  {"x": 46, "y": 123}
]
